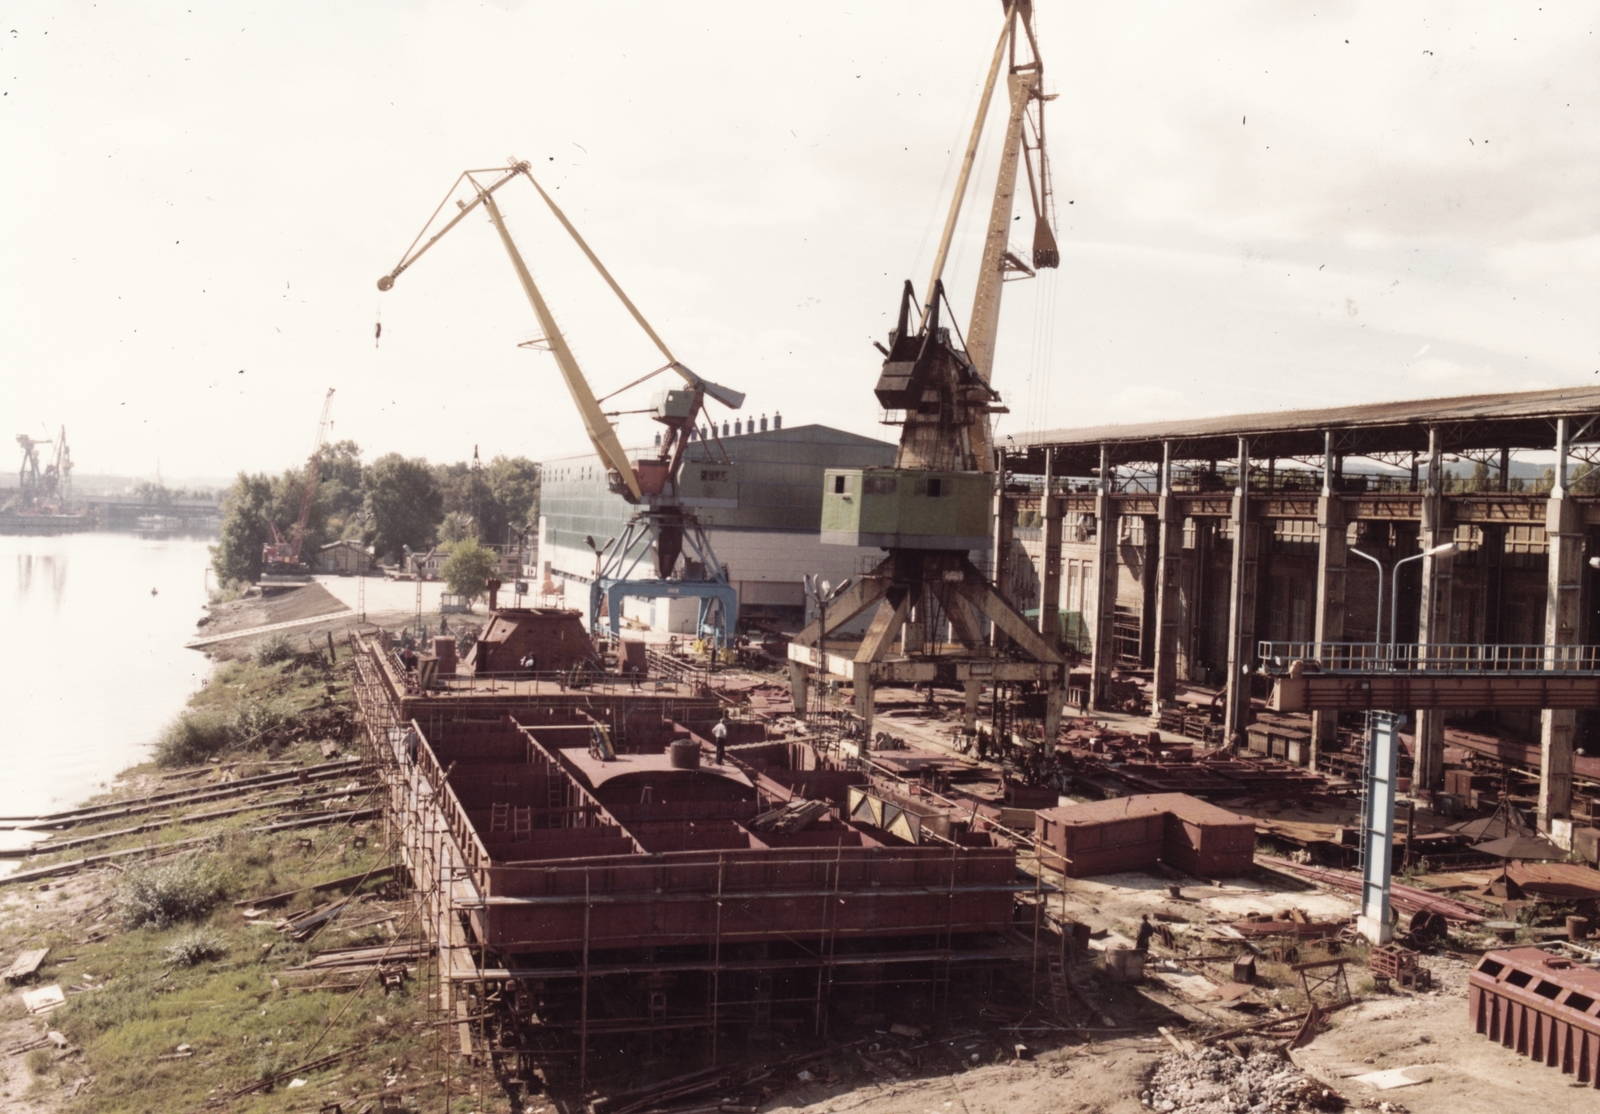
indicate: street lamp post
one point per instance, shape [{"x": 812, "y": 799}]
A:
[
  {"x": 1377, "y": 634},
  {"x": 1394, "y": 594},
  {"x": 1380, "y": 775},
  {"x": 823, "y": 593},
  {"x": 1394, "y": 585}
]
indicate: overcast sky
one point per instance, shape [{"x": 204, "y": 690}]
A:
[{"x": 1262, "y": 205}]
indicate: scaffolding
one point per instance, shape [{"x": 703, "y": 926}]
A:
[{"x": 552, "y": 964}]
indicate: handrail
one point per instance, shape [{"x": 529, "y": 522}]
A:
[{"x": 1449, "y": 657}]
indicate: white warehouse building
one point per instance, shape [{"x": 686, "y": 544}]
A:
[{"x": 768, "y": 544}]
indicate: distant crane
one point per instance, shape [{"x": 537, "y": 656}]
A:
[
  {"x": 48, "y": 487},
  {"x": 280, "y": 557},
  {"x": 665, "y": 522}
]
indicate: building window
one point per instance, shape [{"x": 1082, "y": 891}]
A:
[{"x": 838, "y": 485}]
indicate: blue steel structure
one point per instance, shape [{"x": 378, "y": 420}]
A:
[{"x": 719, "y": 601}]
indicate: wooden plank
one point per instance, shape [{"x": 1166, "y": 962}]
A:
[
  {"x": 330, "y": 884},
  {"x": 25, "y": 964}
]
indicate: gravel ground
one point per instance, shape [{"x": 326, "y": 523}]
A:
[{"x": 1215, "y": 1081}]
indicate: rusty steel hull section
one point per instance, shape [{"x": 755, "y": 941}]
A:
[
  {"x": 1541, "y": 1006},
  {"x": 745, "y": 896},
  {"x": 542, "y": 854}
]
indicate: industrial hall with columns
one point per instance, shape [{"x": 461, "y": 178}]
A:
[{"x": 1434, "y": 558}]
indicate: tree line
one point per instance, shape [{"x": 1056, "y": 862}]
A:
[{"x": 392, "y": 503}]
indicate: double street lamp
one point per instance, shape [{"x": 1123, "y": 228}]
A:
[
  {"x": 1394, "y": 591},
  {"x": 822, "y": 594}
]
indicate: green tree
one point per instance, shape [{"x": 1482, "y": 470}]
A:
[
  {"x": 155, "y": 494},
  {"x": 468, "y": 568},
  {"x": 341, "y": 487},
  {"x": 457, "y": 526},
  {"x": 497, "y": 500},
  {"x": 237, "y": 554},
  {"x": 287, "y": 492},
  {"x": 514, "y": 481},
  {"x": 404, "y": 505}
]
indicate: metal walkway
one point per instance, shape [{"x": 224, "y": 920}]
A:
[{"x": 1335, "y": 676}]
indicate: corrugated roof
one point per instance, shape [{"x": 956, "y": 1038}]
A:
[{"x": 1519, "y": 420}]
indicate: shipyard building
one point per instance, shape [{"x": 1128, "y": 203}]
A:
[{"x": 768, "y": 543}]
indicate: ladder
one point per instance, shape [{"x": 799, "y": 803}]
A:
[
  {"x": 556, "y": 795},
  {"x": 1060, "y": 993},
  {"x": 498, "y": 814},
  {"x": 522, "y": 823}
]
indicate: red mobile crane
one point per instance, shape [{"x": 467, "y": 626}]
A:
[{"x": 282, "y": 558}]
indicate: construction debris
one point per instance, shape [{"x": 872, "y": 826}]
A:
[
  {"x": 1215, "y": 1081},
  {"x": 44, "y": 999},
  {"x": 795, "y": 816},
  {"x": 24, "y": 965}
]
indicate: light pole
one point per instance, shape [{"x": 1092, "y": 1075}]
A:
[
  {"x": 1380, "y": 773},
  {"x": 1394, "y": 593},
  {"x": 1377, "y": 634},
  {"x": 1394, "y": 587},
  {"x": 823, "y": 593}
]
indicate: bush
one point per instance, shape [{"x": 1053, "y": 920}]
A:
[
  {"x": 199, "y": 735},
  {"x": 256, "y": 720},
  {"x": 196, "y": 947},
  {"x": 41, "y": 1060},
  {"x": 275, "y": 649},
  {"x": 194, "y": 737},
  {"x": 163, "y": 894}
]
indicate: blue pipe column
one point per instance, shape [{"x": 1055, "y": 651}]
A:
[{"x": 1377, "y": 826}]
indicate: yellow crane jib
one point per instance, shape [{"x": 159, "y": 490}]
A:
[{"x": 595, "y": 421}]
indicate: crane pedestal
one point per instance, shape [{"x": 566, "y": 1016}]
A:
[
  {"x": 914, "y": 592},
  {"x": 662, "y": 535}
]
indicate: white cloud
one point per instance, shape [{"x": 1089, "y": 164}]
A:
[{"x": 190, "y": 193}]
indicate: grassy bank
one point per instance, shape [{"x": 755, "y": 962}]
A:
[{"x": 180, "y": 990}]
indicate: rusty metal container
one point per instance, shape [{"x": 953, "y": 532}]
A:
[
  {"x": 1540, "y": 1005},
  {"x": 684, "y": 754},
  {"x": 1134, "y": 833}
]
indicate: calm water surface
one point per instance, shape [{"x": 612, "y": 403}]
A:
[{"x": 93, "y": 664}]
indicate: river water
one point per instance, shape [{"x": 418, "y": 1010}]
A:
[{"x": 91, "y": 658}]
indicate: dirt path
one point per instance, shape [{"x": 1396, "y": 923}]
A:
[
  {"x": 1432, "y": 1031},
  {"x": 1105, "y": 1078}
]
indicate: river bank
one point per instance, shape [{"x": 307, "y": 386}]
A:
[{"x": 214, "y": 926}]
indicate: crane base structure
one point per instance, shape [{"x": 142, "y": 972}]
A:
[
  {"x": 911, "y": 589},
  {"x": 666, "y": 532}
]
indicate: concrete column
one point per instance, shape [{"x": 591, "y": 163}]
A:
[
  {"x": 1169, "y": 569},
  {"x": 1433, "y": 618},
  {"x": 1050, "y": 576},
  {"x": 1331, "y": 540},
  {"x": 1104, "y": 654},
  {"x": 1563, "y": 622},
  {"x": 1005, "y": 521},
  {"x": 1241, "y": 606},
  {"x": 969, "y": 721},
  {"x": 799, "y": 684},
  {"x": 861, "y": 679}
]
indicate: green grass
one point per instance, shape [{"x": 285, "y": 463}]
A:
[
  {"x": 257, "y": 704},
  {"x": 202, "y": 977}
]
